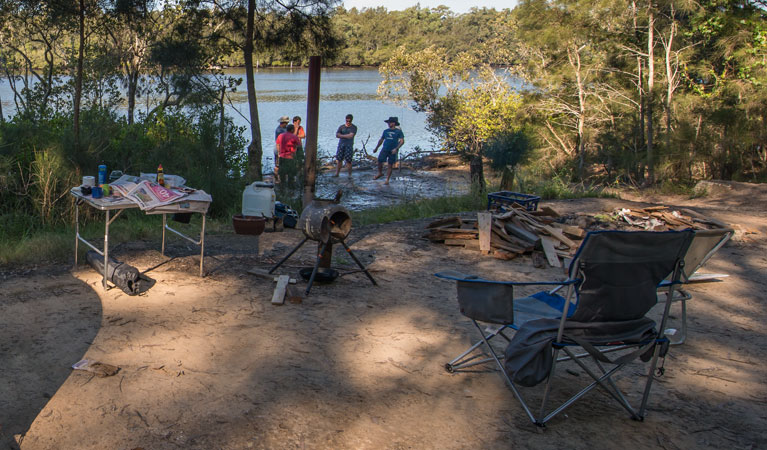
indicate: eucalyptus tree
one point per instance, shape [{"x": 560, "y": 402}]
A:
[
  {"x": 562, "y": 54},
  {"x": 294, "y": 27},
  {"x": 131, "y": 27},
  {"x": 33, "y": 55},
  {"x": 467, "y": 102}
]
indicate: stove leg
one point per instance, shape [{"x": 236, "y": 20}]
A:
[
  {"x": 349, "y": 250},
  {"x": 317, "y": 265},
  {"x": 288, "y": 255}
]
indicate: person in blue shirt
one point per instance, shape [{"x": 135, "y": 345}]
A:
[{"x": 392, "y": 139}]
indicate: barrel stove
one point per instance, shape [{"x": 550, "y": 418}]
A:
[
  {"x": 323, "y": 220},
  {"x": 327, "y": 223}
]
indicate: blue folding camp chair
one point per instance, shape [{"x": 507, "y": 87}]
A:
[{"x": 612, "y": 285}]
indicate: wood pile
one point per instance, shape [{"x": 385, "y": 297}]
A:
[
  {"x": 660, "y": 218},
  {"x": 510, "y": 234},
  {"x": 546, "y": 236}
]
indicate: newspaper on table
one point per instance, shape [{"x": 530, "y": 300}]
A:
[{"x": 145, "y": 194}]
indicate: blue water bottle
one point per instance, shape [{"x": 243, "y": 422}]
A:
[{"x": 102, "y": 174}]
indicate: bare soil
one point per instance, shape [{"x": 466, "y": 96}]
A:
[{"x": 211, "y": 363}]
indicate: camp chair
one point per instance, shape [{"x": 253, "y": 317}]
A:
[
  {"x": 611, "y": 286},
  {"x": 705, "y": 243}
]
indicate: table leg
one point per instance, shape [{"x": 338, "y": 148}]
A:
[
  {"x": 77, "y": 231},
  {"x": 162, "y": 248},
  {"x": 202, "y": 244},
  {"x": 106, "y": 250}
]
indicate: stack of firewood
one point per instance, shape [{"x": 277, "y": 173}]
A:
[
  {"x": 506, "y": 235},
  {"x": 512, "y": 233}
]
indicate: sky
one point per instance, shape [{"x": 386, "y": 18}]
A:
[{"x": 457, "y": 6}]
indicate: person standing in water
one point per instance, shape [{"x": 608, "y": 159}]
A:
[
  {"x": 345, "y": 135},
  {"x": 392, "y": 139}
]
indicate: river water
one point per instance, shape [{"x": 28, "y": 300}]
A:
[{"x": 283, "y": 92}]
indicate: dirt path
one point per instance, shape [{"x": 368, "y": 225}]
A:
[{"x": 211, "y": 363}]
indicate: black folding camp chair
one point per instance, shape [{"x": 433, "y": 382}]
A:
[
  {"x": 705, "y": 243},
  {"x": 612, "y": 285}
]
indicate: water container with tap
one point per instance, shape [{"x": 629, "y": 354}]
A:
[{"x": 258, "y": 200}]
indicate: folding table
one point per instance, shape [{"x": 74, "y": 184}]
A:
[{"x": 196, "y": 202}]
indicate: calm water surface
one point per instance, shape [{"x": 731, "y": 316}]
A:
[{"x": 283, "y": 92}]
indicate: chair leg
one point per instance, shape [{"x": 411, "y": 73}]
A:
[
  {"x": 650, "y": 378},
  {"x": 598, "y": 381},
  {"x": 462, "y": 362},
  {"x": 506, "y": 377}
]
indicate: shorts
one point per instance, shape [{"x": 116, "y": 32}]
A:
[
  {"x": 344, "y": 153},
  {"x": 389, "y": 156}
]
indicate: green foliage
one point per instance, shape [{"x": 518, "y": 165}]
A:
[
  {"x": 508, "y": 148},
  {"x": 39, "y": 166}
]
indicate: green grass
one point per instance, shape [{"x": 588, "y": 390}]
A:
[
  {"x": 26, "y": 247},
  {"x": 420, "y": 209},
  {"x": 57, "y": 245}
]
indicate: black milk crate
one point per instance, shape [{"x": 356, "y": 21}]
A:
[{"x": 504, "y": 199}]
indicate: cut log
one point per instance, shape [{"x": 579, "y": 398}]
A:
[
  {"x": 548, "y": 250},
  {"x": 500, "y": 254},
  {"x": 485, "y": 223},
  {"x": 453, "y": 221},
  {"x": 278, "y": 298},
  {"x": 539, "y": 260}
]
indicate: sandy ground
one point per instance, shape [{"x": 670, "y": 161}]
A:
[{"x": 211, "y": 363}]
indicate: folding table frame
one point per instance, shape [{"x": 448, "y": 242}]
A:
[{"x": 119, "y": 206}]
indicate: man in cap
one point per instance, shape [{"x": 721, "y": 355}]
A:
[
  {"x": 392, "y": 139},
  {"x": 345, "y": 151},
  {"x": 280, "y": 129}
]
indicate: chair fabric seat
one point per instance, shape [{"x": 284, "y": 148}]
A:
[{"x": 538, "y": 306}]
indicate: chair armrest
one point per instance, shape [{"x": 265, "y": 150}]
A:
[{"x": 458, "y": 276}]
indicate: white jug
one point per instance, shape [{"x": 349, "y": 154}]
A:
[{"x": 258, "y": 200}]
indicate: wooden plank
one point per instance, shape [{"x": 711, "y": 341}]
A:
[
  {"x": 520, "y": 232},
  {"x": 484, "y": 223},
  {"x": 545, "y": 211},
  {"x": 442, "y": 235},
  {"x": 556, "y": 233},
  {"x": 570, "y": 230},
  {"x": 550, "y": 252},
  {"x": 278, "y": 298},
  {"x": 498, "y": 243},
  {"x": 456, "y": 242},
  {"x": 263, "y": 273}
]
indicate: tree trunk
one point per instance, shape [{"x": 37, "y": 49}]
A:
[
  {"x": 312, "y": 121},
  {"x": 477, "y": 173},
  {"x": 255, "y": 151},
  {"x": 650, "y": 95},
  {"x": 221, "y": 122},
  {"x": 79, "y": 75},
  {"x": 507, "y": 178},
  {"x": 670, "y": 77}
]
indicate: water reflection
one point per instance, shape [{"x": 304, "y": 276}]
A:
[{"x": 283, "y": 92}]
